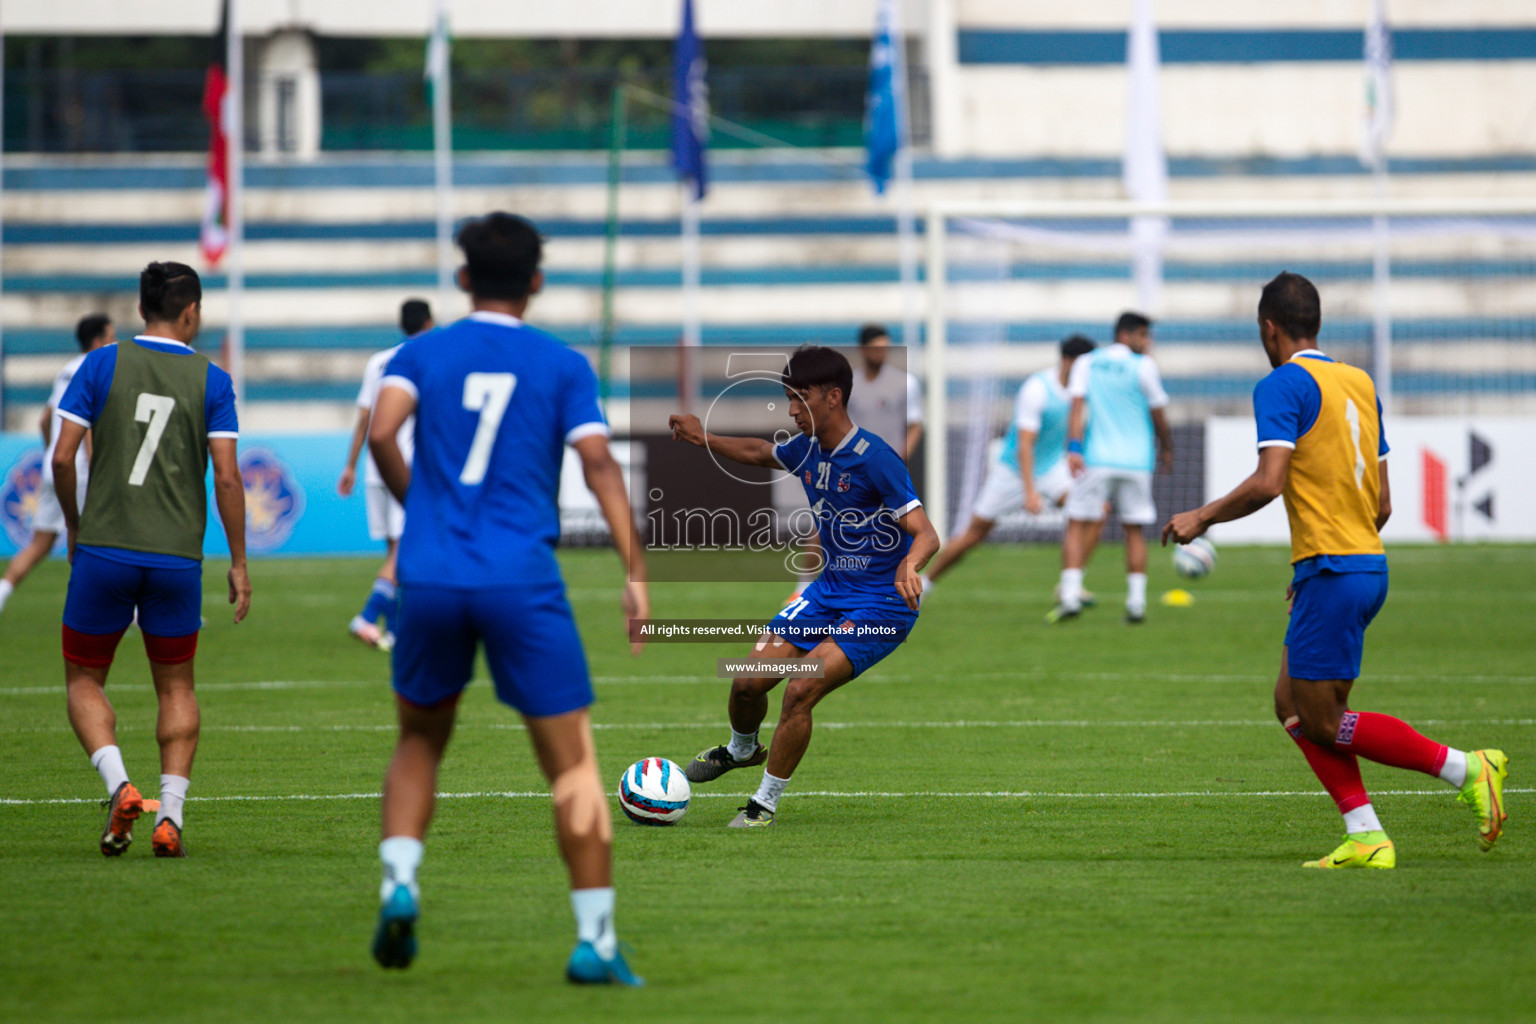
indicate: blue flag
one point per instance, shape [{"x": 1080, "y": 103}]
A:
[
  {"x": 882, "y": 105},
  {"x": 690, "y": 109}
]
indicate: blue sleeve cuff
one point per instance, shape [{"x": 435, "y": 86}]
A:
[{"x": 1074, "y": 447}]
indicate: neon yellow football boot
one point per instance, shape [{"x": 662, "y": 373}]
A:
[
  {"x": 1360, "y": 850},
  {"x": 1484, "y": 793}
]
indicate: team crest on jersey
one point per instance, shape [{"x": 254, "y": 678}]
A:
[
  {"x": 274, "y": 501},
  {"x": 18, "y": 497},
  {"x": 844, "y": 482}
]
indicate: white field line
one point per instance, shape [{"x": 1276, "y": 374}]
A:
[
  {"x": 708, "y": 678},
  {"x": 1022, "y": 723},
  {"x": 1444, "y": 791}
]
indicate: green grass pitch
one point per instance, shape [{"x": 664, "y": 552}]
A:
[{"x": 1113, "y": 827}]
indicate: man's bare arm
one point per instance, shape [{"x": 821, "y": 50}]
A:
[
  {"x": 749, "y": 451},
  {"x": 390, "y": 411}
]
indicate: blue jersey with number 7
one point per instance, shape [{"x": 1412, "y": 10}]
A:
[{"x": 497, "y": 401}]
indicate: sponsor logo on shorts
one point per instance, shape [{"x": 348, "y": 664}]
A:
[
  {"x": 18, "y": 496},
  {"x": 274, "y": 501}
]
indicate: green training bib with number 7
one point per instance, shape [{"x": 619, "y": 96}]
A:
[{"x": 149, "y": 456}]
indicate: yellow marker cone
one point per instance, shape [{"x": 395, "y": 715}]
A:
[{"x": 1177, "y": 598}]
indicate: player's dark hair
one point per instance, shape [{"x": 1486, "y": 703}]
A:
[
  {"x": 1074, "y": 345},
  {"x": 501, "y": 253},
  {"x": 818, "y": 366},
  {"x": 90, "y": 328},
  {"x": 1291, "y": 301},
  {"x": 1131, "y": 321},
  {"x": 167, "y": 289},
  {"x": 869, "y": 332},
  {"x": 415, "y": 314}
]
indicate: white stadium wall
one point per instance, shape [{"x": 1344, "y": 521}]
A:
[{"x": 1452, "y": 477}]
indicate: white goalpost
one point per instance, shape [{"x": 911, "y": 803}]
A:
[{"x": 1006, "y": 280}]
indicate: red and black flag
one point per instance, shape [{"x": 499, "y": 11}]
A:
[{"x": 214, "y": 238}]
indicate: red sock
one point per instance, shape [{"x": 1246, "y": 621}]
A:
[
  {"x": 1390, "y": 741},
  {"x": 1337, "y": 770}
]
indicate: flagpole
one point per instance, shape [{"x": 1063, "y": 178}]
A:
[
  {"x": 442, "y": 151},
  {"x": 692, "y": 327},
  {"x": 906, "y": 220},
  {"x": 1145, "y": 167},
  {"x": 1378, "y": 70},
  {"x": 234, "y": 140}
]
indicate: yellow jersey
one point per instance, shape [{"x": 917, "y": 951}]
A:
[{"x": 1328, "y": 413}]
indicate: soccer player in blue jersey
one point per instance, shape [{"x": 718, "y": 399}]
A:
[
  {"x": 876, "y": 538},
  {"x": 496, "y": 401},
  {"x": 1030, "y": 468},
  {"x": 1117, "y": 408},
  {"x": 158, "y": 413},
  {"x": 1322, "y": 446}
]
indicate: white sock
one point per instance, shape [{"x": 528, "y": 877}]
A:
[
  {"x": 1454, "y": 770},
  {"x": 173, "y": 793},
  {"x": 1071, "y": 588},
  {"x": 109, "y": 762},
  {"x": 594, "y": 920},
  {"x": 6, "y": 586},
  {"x": 742, "y": 744},
  {"x": 1361, "y": 819},
  {"x": 769, "y": 792},
  {"x": 1136, "y": 591},
  {"x": 401, "y": 856}
]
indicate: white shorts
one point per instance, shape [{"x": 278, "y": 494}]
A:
[
  {"x": 1130, "y": 490},
  {"x": 386, "y": 516},
  {"x": 49, "y": 517},
  {"x": 1003, "y": 489}
]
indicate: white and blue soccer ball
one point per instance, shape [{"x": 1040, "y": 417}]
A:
[
  {"x": 1195, "y": 559},
  {"x": 654, "y": 792}
]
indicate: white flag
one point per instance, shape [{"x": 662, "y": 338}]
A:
[
  {"x": 1145, "y": 164},
  {"x": 1378, "y": 88}
]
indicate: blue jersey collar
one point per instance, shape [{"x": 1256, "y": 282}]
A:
[
  {"x": 485, "y": 316},
  {"x": 156, "y": 339},
  {"x": 846, "y": 438}
]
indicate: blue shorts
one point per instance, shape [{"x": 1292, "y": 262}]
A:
[
  {"x": 1326, "y": 637},
  {"x": 103, "y": 593},
  {"x": 531, "y": 646},
  {"x": 865, "y": 627}
]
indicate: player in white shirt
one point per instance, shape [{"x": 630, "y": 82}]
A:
[
  {"x": 1117, "y": 409},
  {"x": 386, "y": 516},
  {"x": 1029, "y": 470},
  {"x": 887, "y": 401},
  {"x": 91, "y": 332}
]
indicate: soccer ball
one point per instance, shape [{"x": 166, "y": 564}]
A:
[
  {"x": 654, "y": 792},
  {"x": 1195, "y": 559}
]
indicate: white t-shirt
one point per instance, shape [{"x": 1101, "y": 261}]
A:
[
  {"x": 887, "y": 405},
  {"x": 82, "y": 462},
  {"x": 373, "y": 373}
]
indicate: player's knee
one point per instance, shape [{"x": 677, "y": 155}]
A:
[
  {"x": 1321, "y": 729},
  {"x": 580, "y": 802},
  {"x": 800, "y": 695},
  {"x": 751, "y": 687}
]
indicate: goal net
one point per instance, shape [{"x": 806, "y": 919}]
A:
[{"x": 1435, "y": 300}]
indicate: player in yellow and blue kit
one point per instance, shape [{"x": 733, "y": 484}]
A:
[
  {"x": 876, "y": 539},
  {"x": 1322, "y": 446},
  {"x": 496, "y": 403}
]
